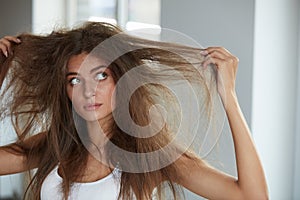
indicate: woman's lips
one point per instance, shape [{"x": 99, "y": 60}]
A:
[{"x": 92, "y": 107}]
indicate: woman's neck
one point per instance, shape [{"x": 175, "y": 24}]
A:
[
  {"x": 95, "y": 170},
  {"x": 99, "y": 133}
]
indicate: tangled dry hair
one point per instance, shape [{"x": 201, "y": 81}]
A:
[{"x": 33, "y": 82}]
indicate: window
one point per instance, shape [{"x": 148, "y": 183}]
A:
[
  {"x": 96, "y": 10},
  {"x": 128, "y": 14}
]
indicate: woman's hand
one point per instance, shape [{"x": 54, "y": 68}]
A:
[
  {"x": 226, "y": 66},
  {"x": 6, "y": 44}
]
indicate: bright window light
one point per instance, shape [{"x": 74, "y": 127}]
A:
[
  {"x": 148, "y": 31},
  {"x": 102, "y": 19},
  {"x": 138, "y": 25}
]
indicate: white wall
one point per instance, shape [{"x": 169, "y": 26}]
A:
[
  {"x": 297, "y": 136},
  {"x": 48, "y": 14},
  {"x": 218, "y": 23},
  {"x": 274, "y": 91},
  {"x": 15, "y": 17},
  {"x": 265, "y": 36},
  {"x": 227, "y": 23}
]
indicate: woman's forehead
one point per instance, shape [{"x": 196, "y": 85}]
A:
[{"x": 84, "y": 62}]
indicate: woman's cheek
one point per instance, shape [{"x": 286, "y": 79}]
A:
[{"x": 69, "y": 92}]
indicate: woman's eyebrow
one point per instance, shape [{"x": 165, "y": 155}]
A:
[
  {"x": 92, "y": 70},
  {"x": 98, "y": 67},
  {"x": 72, "y": 74}
]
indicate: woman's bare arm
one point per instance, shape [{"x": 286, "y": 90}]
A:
[
  {"x": 13, "y": 159},
  {"x": 211, "y": 183},
  {"x": 10, "y": 161}
]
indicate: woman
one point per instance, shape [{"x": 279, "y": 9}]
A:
[{"x": 69, "y": 89}]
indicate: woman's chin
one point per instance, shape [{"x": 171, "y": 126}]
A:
[
  {"x": 94, "y": 117},
  {"x": 91, "y": 117}
]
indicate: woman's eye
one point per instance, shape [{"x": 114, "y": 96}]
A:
[
  {"x": 74, "y": 81},
  {"x": 101, "y": 76}
]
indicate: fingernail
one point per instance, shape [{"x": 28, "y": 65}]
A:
[
  {"x": 6, "y": 54},
  {"x": 18, "y": 40}
]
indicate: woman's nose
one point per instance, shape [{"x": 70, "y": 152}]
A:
[{"x": 89, "y": 89}]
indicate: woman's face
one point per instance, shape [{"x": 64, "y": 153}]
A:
[{"x": 90, "y": 87}]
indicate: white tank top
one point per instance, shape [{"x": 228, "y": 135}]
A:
[{"x": 106, "y": 188}]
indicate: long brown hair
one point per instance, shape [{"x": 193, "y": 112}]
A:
[{"x": 35, "y": 97}]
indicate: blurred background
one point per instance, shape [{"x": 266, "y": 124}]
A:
[{"x": 264, "y": 35}]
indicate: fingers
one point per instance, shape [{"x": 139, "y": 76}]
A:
[
  {"x": 222, "y": 50},
  {"x": 216, "y": 61},
  {"x": 13, "y": 39},
  {"x": 218, "y": 56},
  {"x": 226, "y": 67},
  {"x": 6, "y": 44}
]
